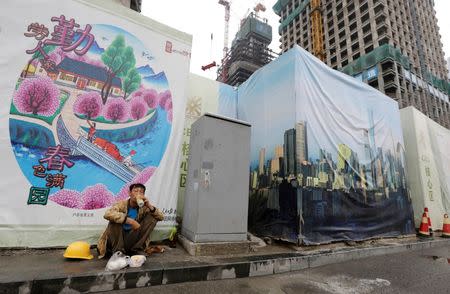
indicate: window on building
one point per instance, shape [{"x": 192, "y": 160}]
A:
[
  {"x": 367, "y": 39},
  {"x": 363, "y": 8},
  {"x": 351, "y": 7},
  {"x": 384, "y": 40}
]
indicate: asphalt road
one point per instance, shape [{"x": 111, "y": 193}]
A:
[{"x": 422, "y": 271}]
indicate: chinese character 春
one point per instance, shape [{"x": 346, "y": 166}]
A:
[{"x": 56, "y": 158}]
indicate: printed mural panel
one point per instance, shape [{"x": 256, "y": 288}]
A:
[
  {"x": 327, "y": 156},
  {"x": 89, "y": 108},
  {"x": 428, "y": 165}
]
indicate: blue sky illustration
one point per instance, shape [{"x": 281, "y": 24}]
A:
[{"x": 105, "y": 34}]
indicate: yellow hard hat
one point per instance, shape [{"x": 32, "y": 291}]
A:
[{"x": 78, "y": 249}]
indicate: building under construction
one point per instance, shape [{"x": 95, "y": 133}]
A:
[
  {"x": 393, "y": 45},
  {"x": 249, "y": 51}
]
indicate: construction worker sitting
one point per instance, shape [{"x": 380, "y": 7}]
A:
[{"x": 130, "y": 223}]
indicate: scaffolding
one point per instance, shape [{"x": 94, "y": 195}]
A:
[{"x": 249, "y": 51}]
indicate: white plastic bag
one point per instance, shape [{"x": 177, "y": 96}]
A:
[
  {"x": 117, "y": 261},
  {"x": 137, "y": 260}
]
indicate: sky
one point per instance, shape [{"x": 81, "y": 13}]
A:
[{"x": 204, "y": 20}]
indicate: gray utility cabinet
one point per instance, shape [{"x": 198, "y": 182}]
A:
[{"x": 216, "y": 200}]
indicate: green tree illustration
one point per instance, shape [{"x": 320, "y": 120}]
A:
[
  {"x": 131, "y": 82},
  {"x": 119, "y": 59}
]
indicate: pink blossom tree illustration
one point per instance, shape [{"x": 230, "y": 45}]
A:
[
  {"x": 66, "y": 198},
  {"x": 88, "y": 104},
  {"x": 57, "y": 55},
  {"x": 96, "y": 197},
  {"x": 138, "y": 108},
  {"x": 143, "y": 177},
  {"x": 37, "y": 96},
  {"x": 164, "y": 97},
  {"x": 168, "y": 106},
  {"x": 138, "y": 92},
  {"x": 116, "y": 110},
  {"x": 151, "y": 98}
]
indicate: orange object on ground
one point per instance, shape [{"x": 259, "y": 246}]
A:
[
  {"x": 428, "y": 217},
  {"x": 154, "y": 249},
  {"x": 424, "y": 228},
  {"x": 446, "y": 227}
]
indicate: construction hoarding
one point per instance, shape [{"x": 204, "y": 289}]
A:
[
  {"x": 93, "y": 100},
  {"x": 428, "y": 165},
  {"x": 327, "y": 156},
  {"x": 203, "y": 96}
]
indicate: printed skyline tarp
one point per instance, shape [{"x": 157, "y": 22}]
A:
[
  {"x": 93, "y": 98},
  {"x": 428, "y": 165},
  {"x": 203, "y": 95},
  {"x": 327, "y": 154}
]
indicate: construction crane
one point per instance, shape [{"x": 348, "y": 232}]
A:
[
  {"x": 208, "y": 66},
  {"x": 317, "y": 29},
  {"x": 213, "y": 63},
  {"x": 227, "y": 5},
  {"x": 259, "y": 7}
]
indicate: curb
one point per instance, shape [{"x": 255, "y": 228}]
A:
[{"x": 223, "y": 268}]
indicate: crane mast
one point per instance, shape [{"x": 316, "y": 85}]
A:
[
  {"x": 227, "y": 5},
  {"x": 317, "y": 29}
]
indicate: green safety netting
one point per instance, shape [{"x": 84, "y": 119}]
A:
[
  {"x": 279, "y": 6},
  {"x": 442, "y": 85},
  {"x": 377, "y": 55},
  {"x": 293, "y": 15},
  {"x": 387, "y": 51},
  {"x": 255, "y": 25}
]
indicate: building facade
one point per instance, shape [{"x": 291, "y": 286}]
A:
[
  {"x": 448, "y": 67},
  {"x": 393, "y": 45}
]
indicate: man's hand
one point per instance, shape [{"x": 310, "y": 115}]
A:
[
  {"x": 134, "y": 224},
  {"x": 148, "y": 204}
]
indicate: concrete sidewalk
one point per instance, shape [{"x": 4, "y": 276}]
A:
[{"x": 46, "y": 271}]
